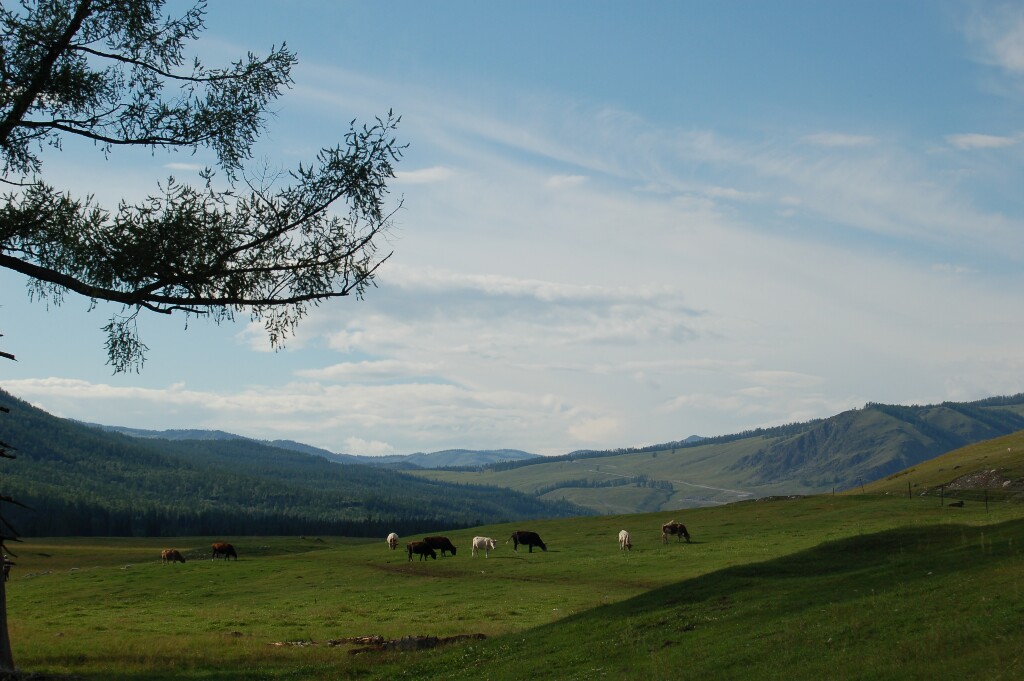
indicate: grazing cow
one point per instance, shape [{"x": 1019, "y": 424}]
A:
[
  {"x": 393, "y": 541},
  {"x": 442, "y": 544},
  {"x": 530, "y": 539},
  {"x": 171, "y": 556},
  {"x": 678, "y": 529},
  {"x": 422, "y": 549},
  {"x": 958, "y": 504},
  {"x": 485, "y": 544},
  {"x": 624, "y": 543},
  {"x": 224, "y": 549}
]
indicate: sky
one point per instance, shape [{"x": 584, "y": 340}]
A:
[{"x": 621, "y": 224}]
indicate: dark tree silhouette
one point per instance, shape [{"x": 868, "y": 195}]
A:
[
  {"x": 7, "y": 533},
  {"x": 267, "y": 244}
]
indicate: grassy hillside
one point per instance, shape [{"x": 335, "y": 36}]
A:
[
  {"x": 83, "y": 481},
  {"x": 838, "y": 587},
  {"x": 994, "y": 468},
  {"x": 841, "y": 452}
]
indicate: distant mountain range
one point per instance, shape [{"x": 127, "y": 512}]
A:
[
  {"x": 195, "y": 481},
  {"x": 447, "y": 458},
  {"x": 840, "y": 452}
]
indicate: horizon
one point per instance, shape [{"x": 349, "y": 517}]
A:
[{"x": 620, "y": 224}]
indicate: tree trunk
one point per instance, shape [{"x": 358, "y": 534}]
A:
[{"x": 6, "y": 658}]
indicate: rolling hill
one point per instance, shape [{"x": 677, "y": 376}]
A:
[
  {"x": 991, "y": 469},
  {"x": 837, "y": 453},
  {"x": 442, "y": 459},
  {"x": 83, "y": 481}
]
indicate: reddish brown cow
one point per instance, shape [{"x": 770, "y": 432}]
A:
[
  {"x": 171, "y": 556},
  {"x": 224, "y": 549},
  {"x": 678, "y": 529}
]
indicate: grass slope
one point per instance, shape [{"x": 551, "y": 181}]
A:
[
  {"x": 839, "y": 587},
  {"x": 995, "y": 467}
]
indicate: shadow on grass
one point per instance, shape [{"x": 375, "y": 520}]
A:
[{"x": 751, "y": 601}]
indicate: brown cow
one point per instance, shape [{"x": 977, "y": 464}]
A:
[
  {"x": 442, "y": 544},
  {"x": 171, "y": 556},
  {"x": 678, "y": 529},
  {"x": 422, "y": 549},
  {"x": 224, "y": 549}
]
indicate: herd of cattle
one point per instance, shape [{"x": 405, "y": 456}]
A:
[{"x": 429, "y": 546}]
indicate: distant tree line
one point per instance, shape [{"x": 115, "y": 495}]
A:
[
  {"x": 586, "y": 483},
  {"x": 50, "y": 517}
]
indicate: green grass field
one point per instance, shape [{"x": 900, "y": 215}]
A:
[{"x": 844, "y": 587}]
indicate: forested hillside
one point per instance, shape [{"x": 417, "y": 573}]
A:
[
  {"x": 80, "y": 480},
  {"x": 840, "y": 452}
]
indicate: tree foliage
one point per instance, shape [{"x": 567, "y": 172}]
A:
[{"x": 270, "y": 244}]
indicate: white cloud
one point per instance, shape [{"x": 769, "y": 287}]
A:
[
  {"x": 379, "y": 370},
  {"x": 565, "y": 181},
  {"x": 733, "y": 194},
  {"x": 998, "y": 34},
  {"x": 595, "y": 430},
  {"x": 783, "y": 379},
  {"x": 361, "y": 447},
  {"x": 950, "y": 268},
  {"x": 424, "y": 175},
  {"x": 980, "y": 141}
]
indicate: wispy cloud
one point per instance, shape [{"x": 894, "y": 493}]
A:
[
  {"x": 839, "y": 139},
  {"x": 188, "y": 167},
  {"x": 565, "y": 181},
  {"x": 424, "y": 175},
  {"x": 371, "y": 370},
  {"x": 981, "y": 141},
  {"x": 998, "y": 35}
]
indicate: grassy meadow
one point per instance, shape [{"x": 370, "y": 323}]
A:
[{"x": 838, "y": 587}]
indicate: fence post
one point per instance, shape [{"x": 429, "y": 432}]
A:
[{"x": 909, "y": 495}]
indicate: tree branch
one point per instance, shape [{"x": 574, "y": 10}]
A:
[{"x": 42, "y": 73}]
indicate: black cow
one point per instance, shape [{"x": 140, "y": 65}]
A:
[
  {"x": 678, "y": 529},
  {"x": 441, "y": 544},
  {"x": 422, "y": 549},
  {"x": 530, "y": 539}
]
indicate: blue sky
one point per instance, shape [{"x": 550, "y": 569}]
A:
[{"x": 622, "y": 224}]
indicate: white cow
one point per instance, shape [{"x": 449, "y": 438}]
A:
[
  {"x": 393, "y": 541},
  {"x": 624, "y": 543},
  {"x": 486, "y": 544}
]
